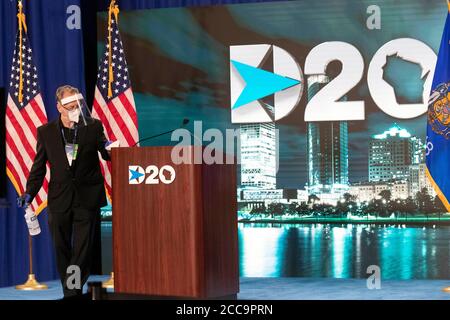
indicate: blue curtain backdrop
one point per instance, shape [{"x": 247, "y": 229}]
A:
[
  {"x": 58, "y": 54},
  {"x": 62, "y": 56}
]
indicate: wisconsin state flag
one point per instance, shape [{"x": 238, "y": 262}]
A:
[{"x": 438, "y": 121}]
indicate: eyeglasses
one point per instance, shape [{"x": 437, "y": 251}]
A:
[{"x": 70, "y": 106}]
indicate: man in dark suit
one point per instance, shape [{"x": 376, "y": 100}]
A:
[{"x": 76, "y": 191}]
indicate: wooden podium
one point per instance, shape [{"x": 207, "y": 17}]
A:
[{"x": 174, "y": 239}]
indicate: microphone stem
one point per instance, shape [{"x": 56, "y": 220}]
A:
[
  {"x": 160, "y": 134},
  {"x": 156, "y": 135}
]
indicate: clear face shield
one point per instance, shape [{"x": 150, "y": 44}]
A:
[{"x": 78, "y": 112}]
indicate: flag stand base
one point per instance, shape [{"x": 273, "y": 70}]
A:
[
  {"x": 109, "y": 284},
  {"x": 31, "y": 284}
]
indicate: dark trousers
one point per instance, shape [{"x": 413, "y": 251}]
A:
[{"x": 73, "y": 238}]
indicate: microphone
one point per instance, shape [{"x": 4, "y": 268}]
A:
[{"x": 183, "y": 123}]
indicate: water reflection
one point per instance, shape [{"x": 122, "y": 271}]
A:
[
  {"x": 340, "y": 251},
  {"x": 344, "y": 251}
]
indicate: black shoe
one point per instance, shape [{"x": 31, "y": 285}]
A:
[{"x": 75, "y": 294}]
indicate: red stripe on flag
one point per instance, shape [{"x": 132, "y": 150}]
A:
[
  {"x": 105, "y": 123},
  {"x": 16, "y": 176},
  {"x": 105, "y": 173},
  {"x": 130, "y": 110},
  {"x": 13, "y": 171},
  {"x": 22, "y": 165},
  {"x": 45, "y": 185},
  {"x": 122, "y": 125},
  {"x": 28, "y": 121},
  {"x": 15, "y": 150},
  {"x": 37, "y": 109},
  {"x": 21, "y": 135}
]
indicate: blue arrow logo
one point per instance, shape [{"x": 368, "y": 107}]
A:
[
  {"x": 259, "y": 83},
  {"x": 135, "y": 174}
]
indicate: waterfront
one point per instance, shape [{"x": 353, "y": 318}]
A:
[{"x": 335, "y": 250}]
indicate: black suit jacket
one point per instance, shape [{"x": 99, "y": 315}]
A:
[{"x": 81, "y": 184}]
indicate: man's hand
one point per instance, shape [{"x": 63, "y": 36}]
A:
[
  {"x": 24, "y": 200},
  {"x": 108, "y": 147},
  {"x": 107, "y": 143},
  {"x": 111, "y": 144}
]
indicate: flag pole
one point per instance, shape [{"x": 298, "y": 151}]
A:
[
  {"x": 113, "y": 10},
  {"x": 31, "y": 283}
]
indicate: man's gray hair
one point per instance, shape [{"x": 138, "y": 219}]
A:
[{"x": 60, "y": 91}]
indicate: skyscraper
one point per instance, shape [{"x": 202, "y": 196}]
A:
[
  {"x": 327, "y": 144},
  {"x": 418, "y": 180},
  {"x": 392, "y": 152},
  {"x": 258, "y": 155}
]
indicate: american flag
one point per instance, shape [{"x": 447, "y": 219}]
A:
[
  {"x": 117, "y": 111},
  {"x": 25, "y": 112}
]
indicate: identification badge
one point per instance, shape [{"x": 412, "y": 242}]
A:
[{"x": 71, "y": 152}]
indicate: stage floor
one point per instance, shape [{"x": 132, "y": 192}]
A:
[{"x": 291, "y": 289}]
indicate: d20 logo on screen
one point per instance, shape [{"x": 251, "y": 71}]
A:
[{"x": 249, "y": 83}]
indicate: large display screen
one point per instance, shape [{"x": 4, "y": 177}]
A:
[{"x": 325, "y": 105}]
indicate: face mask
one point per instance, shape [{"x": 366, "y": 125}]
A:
[{"x": 74, "y": 115}]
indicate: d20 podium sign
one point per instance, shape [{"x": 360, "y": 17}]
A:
[{"x": 174, "y": 232}]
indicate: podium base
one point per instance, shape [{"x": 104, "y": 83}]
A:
[{"x": 31, "y": 284}]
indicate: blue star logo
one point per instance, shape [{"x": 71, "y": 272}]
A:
[{"x": 135, "y": 174}]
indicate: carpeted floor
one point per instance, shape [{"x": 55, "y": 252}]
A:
[{"x": 291, "y": 289}]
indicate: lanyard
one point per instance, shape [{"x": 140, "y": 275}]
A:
[
  {"x": 74, "y": 145},
  {"x": 74, "y": 138}
]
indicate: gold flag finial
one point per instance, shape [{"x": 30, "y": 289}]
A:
[
  {"x": 448, "y": 5},
  {"x": 113, "y": 10},
  {"x": 22, "y": 28}
]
